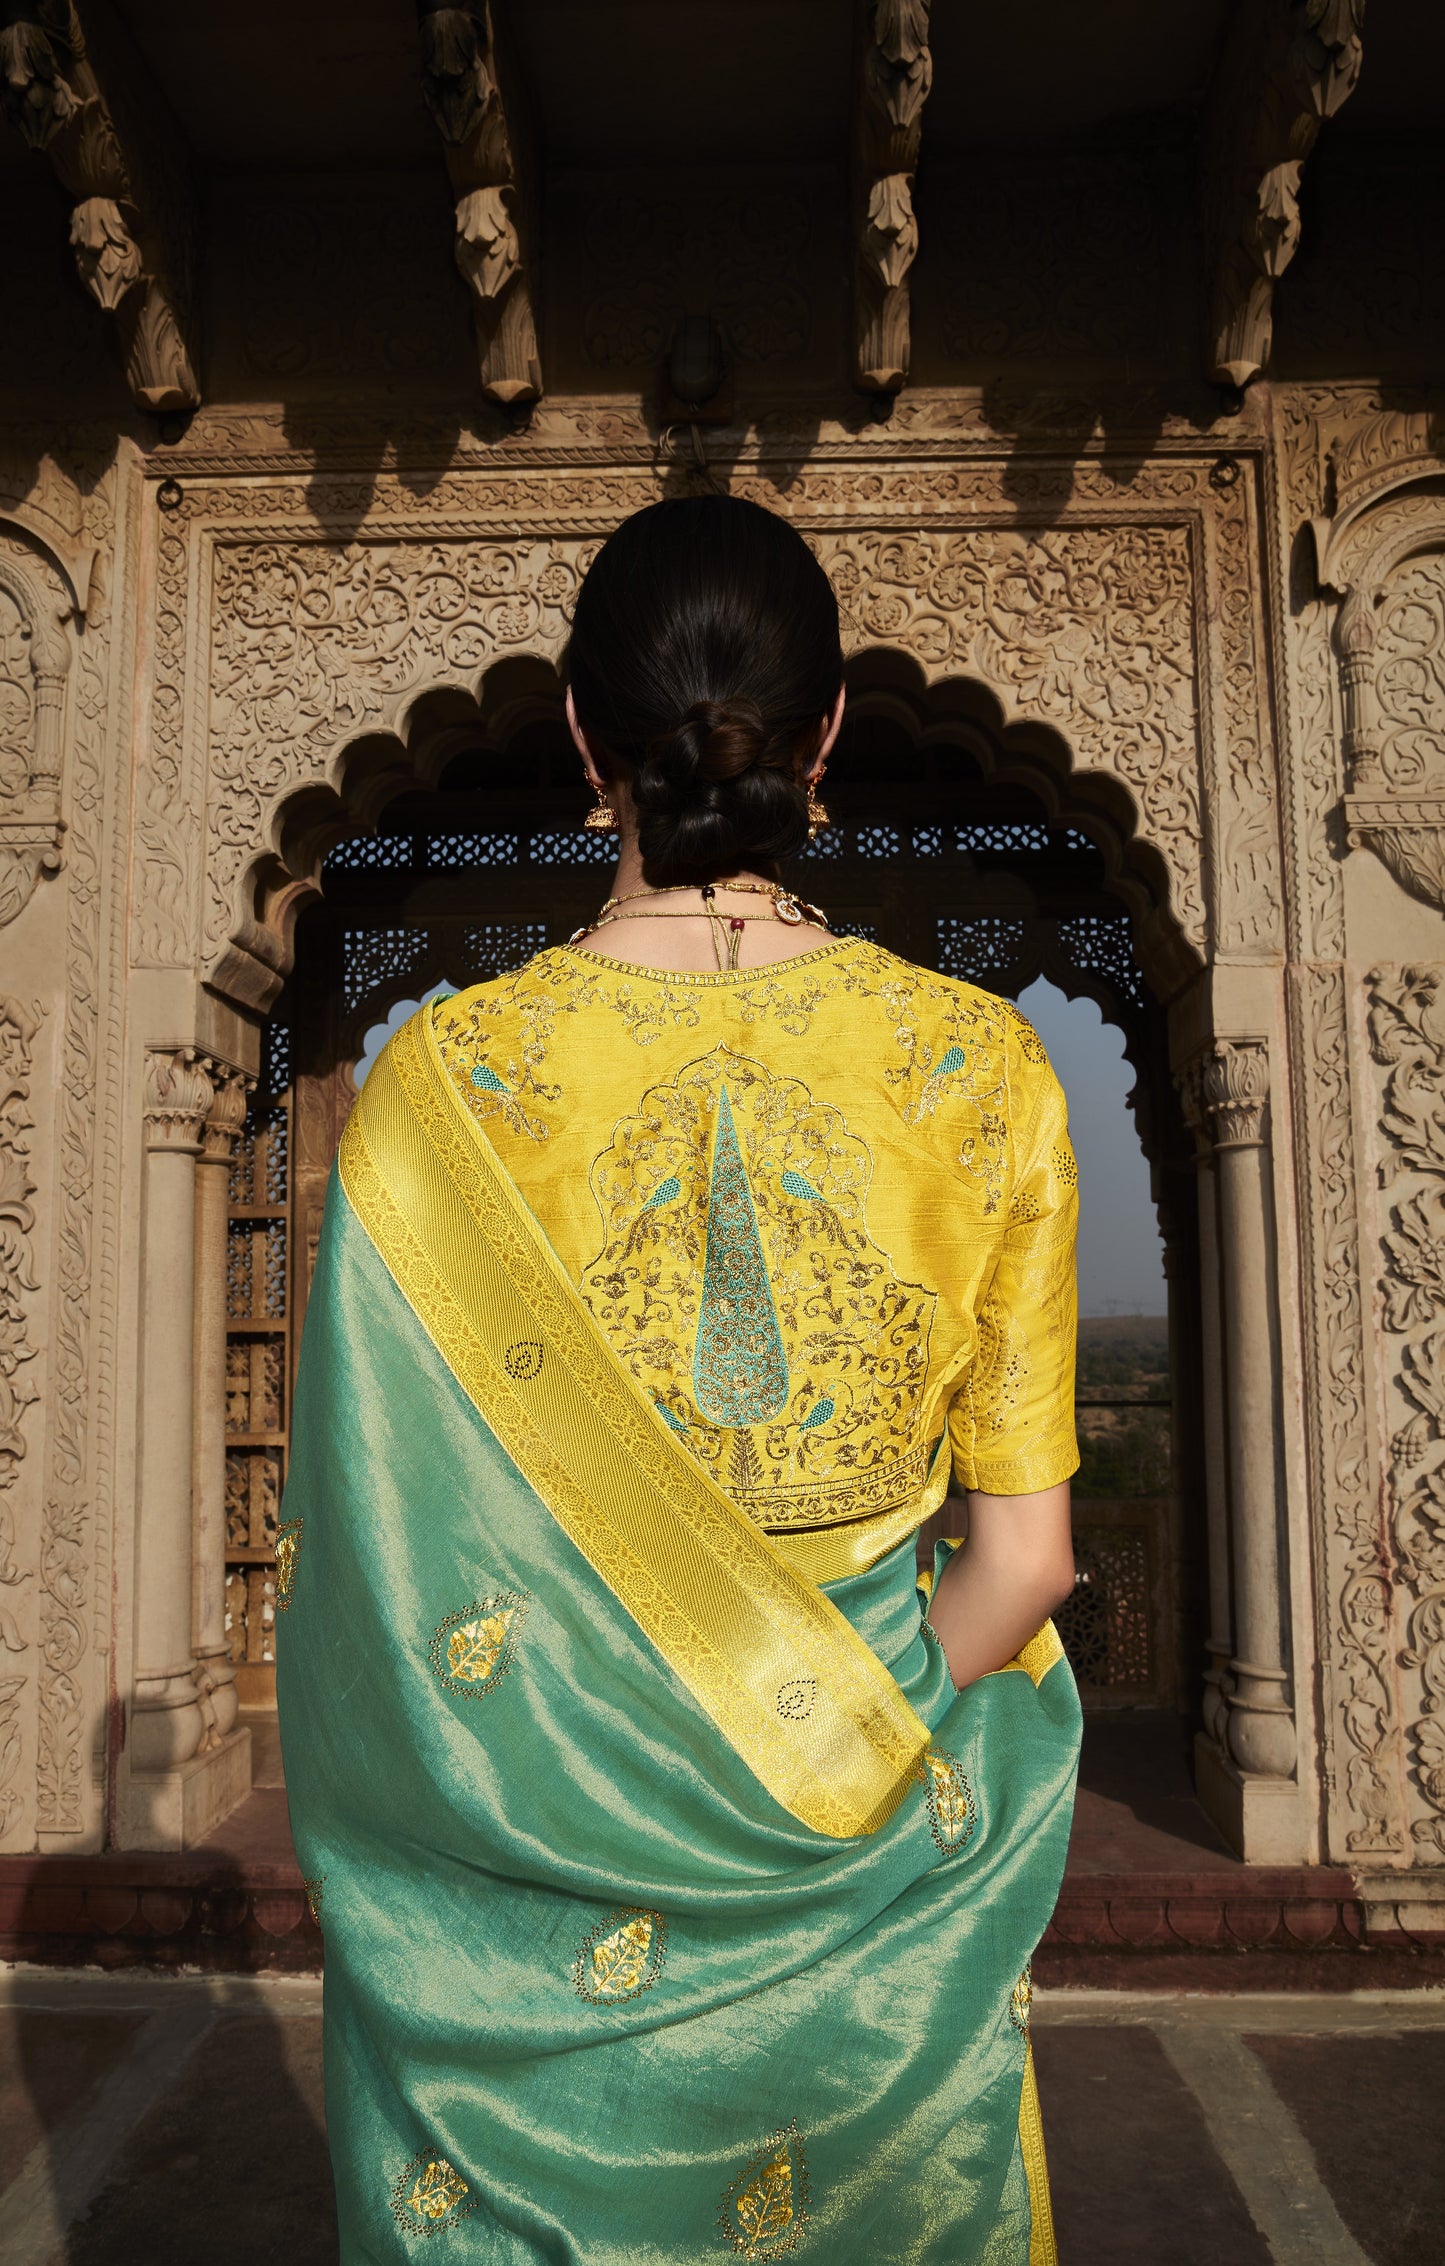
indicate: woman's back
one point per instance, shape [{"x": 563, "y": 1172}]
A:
[
  {"x": 787, "y": 1196},
  {"x": 680, "y": 1878}
]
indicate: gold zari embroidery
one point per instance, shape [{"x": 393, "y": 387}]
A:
[
  {"x": 620, "y": 1958},
  {"x": 765, "y": 2210},
  {"x": 738, "y": 1280},
  {"x": 313, "y": 1888},
  {"x": 288, "y": 1558},
  {"x": 850, "y": 1077},
  {"x": 428, "y": 2195},
  {"x": 472, "y": 1650},
  {"x": 952, "y": 1805},
  {"x": 1021, "y": 2002}
]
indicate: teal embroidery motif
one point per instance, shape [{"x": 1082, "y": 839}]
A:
[
  {"x": 954, "y": 1059},
  {"x": 668, "y": 1416},
  {"x": 740, "y": 1371},
  {"x": 818, "y": 1414},
  {"x": 795, "y": 1185},
  {"x": 486, "y": 1081},
  {"x": 666, "y": 1192}
]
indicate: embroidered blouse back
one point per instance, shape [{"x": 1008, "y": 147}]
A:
[{"x": 825, "y": 1211}]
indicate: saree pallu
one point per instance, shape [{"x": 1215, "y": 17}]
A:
[{"x": 674, "y": 1906}]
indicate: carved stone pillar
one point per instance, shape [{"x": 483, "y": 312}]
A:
[
  {"x": 183, "y": 1773},
  {"x": 1218, "y": 1644},
  {"x": 215, "y": 1673},
  {"x": 1234, "y": 1085},
  {"x": 169, "y": 1721}
]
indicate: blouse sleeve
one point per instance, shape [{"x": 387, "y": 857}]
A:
[{"x": 1012, "y": 1422}]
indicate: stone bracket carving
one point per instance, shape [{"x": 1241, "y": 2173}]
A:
[
  {"x": 894, "y": 76},
  {"x": 1389, "y": 640},
  {"x": 1407, "y": 836},
  {"x": 472, "y": 90},
  {"x": 130, "y": 222},
  {"x": 34, "y": 660},
  {"x": 179, "y": 1096},
  {"x": 1287, "y": 66},
  {"x": 231, "y": 1090}
]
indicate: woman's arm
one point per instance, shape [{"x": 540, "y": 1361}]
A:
[{"x": 998, "y": 1589}]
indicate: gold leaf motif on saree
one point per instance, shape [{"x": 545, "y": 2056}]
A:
[
  {"x": 621, "y": 1957},
  {"x": 471, "y": 1650},
  {"x": 288, "y": 1557},
  {"x": 1021, "y": 2001},
  {"x": 429, "y": 2195},
  {"x": 952, "y": 1807},
  {"x": 765, "y": 2210}
]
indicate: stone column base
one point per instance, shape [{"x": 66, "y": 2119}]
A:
[
  {"x": 1264, "y": 1820},
  {"x": 1406, "y": 1901},
  {"x": 174, "y": 1809}
]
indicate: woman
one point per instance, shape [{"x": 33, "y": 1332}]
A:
[{"x": 678, "y": 1879}]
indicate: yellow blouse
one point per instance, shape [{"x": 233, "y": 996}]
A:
[{"x": 825, "y": 1211}]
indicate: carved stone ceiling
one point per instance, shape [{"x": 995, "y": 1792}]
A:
[
  {"x": 336, "y": 83},
  {"x": 327, "y": 83},
  {"x": 1053, "y": 69}
]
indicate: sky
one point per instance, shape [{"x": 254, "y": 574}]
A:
[{"x": 1121, "y": 1259}]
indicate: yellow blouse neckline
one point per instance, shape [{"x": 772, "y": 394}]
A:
[{"x": 705, "y": 975}]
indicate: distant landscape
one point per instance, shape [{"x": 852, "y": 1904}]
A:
[
  {"x": 1122, "y": 1405},
  {"x": 1118, "y": 1350}
]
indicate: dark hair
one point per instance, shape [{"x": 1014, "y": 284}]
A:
[{"x": 704, "y": 656}]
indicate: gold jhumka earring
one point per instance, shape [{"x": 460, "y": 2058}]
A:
[
  {"x": 602, "y": 818},
  {"x": 817, "y": 814}
]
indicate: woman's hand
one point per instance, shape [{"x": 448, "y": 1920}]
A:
[{"x": 998, "y": 1589}]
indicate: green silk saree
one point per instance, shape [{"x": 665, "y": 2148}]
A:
[{"x": 673, "y": 1904}]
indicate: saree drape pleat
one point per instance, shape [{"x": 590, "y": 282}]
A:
[{"x": 673, "y": 1906}]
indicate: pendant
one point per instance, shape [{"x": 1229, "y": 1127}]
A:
[{"x": 789, "y": 910}]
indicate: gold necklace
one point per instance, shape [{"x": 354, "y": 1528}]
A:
[
  {"x": 790, "y": 906},
  {"x": 787, "y": 907}
]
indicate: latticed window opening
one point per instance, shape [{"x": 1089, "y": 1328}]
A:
[
  {"x": 490, "y": 948},
  {"x": 258, "y": 1366},
  {"x": 1102, "y": 943},
  {"x": 468, "y": 850},
  {"x": 979, "y": 946},
  {"x": 573, "y": 849},
  {"x": 1105, "y": 1625},
  {"x": 373, "y": 956}
]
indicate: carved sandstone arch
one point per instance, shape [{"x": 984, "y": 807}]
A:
[{"x": 335, "y": 670}]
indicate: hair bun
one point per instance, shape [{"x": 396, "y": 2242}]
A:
[
  {"x": 704, "y": 656},
  {"x": 714, "y": 741}
]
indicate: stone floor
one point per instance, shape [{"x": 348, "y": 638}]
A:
[{"x": 158, "y": 2121}]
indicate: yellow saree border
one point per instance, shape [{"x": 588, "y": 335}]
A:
[
  {"x": 1043, "y": 2245},
  {"x": 780, "y": 1671}
]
